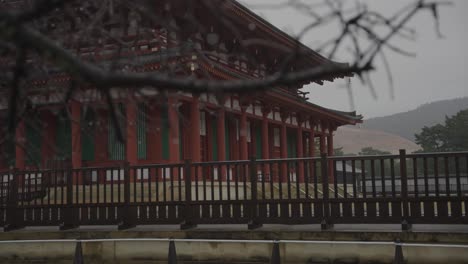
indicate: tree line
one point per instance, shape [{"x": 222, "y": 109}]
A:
[{"x": 450, "y": 136}]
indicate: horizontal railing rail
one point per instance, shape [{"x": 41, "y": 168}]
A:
[{"x": 427, "y": 188}]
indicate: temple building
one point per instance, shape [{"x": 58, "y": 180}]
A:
[{"x": 162, "y": 126}]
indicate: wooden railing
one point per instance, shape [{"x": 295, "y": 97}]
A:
[{"x": 403, "y": 189}]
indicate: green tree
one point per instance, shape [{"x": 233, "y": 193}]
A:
[
  {"x": 432, "y": 139},
  {"x": 457, "y": 131},
  {"x": 372, "y": 151},
  {"x": 338, "y": 152},
  {"x": 452, "y": 136}
]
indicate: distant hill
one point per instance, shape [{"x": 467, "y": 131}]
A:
[
  {"x": 407, "y": 124},
  {"x": 353, "y": 139}
]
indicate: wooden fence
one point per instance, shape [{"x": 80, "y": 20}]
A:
[{"x": 405, "y": 189}]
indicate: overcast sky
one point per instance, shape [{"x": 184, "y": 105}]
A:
[{"x": 440, "y": 70}]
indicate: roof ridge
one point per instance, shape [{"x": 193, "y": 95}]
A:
[{"x": 283, "y": 34}]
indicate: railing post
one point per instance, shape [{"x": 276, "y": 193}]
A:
[
  {"x": 398, "y": 257},
  {"x": 405, "y": 224},
  {"x": 129, "y": 211},
  {"x": 70, "y": 214},
  {"x": 275, "y": 254},
  {"x": 14, "y": 214},
  {"x": 78, "y": 257},
  {"x": 326, "y": 221},
  {"x": 253, "y": 223},
  {"x": 188, "y": 221},
  {"x": 172, "y": 253}
]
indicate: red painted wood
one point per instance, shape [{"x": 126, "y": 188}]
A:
[
  {"x": 153, "y": 134},
  {"x": 265, "y": 142},
  {"x": 330, "y": 153},
  {"x": 19, "y": 147},
  {"x": 265, "y": 139},
  {"x": 221, "y": 127},
  {"x": 131, "y": 110},
  {"x": 312, "y": 143},
  {"x": 131, "y": 140},
  {"x": 251, "y": 146},
  {"x": 300, "y": 153},
  {"x": 311, "y": 152},
  {"x": 221, "y": 134},
  {"x": 330, "y": 144},
  {"x": 283, "y": 151},
  {"x": 174, "y": 130},
  {"x": 195, "y": 129},
  {"x": 101, "y": 134},
  {"x": 207, "y": 140},
  {"x": 322, "y": 144},
  {"x": 233, "y": 140},
  {"x": 49, "y": 133},
  {"x": 76, "y": 139},
  {"x": 184, "y": 130},
  {"x": 243, "y": 136},
  {"x": 292, "y": 103}
]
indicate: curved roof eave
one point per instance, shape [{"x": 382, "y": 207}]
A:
[
  {"x": 341, "y": 116},
  {"x": 279, "y": 33},
  {"x": 346, "y": 118}
]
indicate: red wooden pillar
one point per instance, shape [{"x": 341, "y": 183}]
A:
[
  {"x": 20, "y": 139},
  {"x": 174, "y": 130},
  {"x": 221, "y": 134},
  {"x": 322, "y": 144},
  {"x": 131, "y": 136},
  {"x": 330, "y": 143},
  {"x": 131, "y": 147},
  {"x": 20, "y": 150},
  {"x": 207, "y": 141},
  {"x": 265, "y": 142},
  {"x": 265, "y": 135},
  {"x": 153, "y": 134},
  {"x": 101, "y": 136},
  {"x": 221, "y": 127},
  {"x": 283, "y": 150},
  {"x": 243, "y": 146},
  {"x": 312, "y": 152},
  {"x": 244, "y": 152},
  {"x": 76, "y": 139},
  {"x": 195, "y": 129},
  {"x": 233, "y": 140},
  {"x": 49, "y": 132},
  {"x": 312, "y": 140},
  {"x": 300, "y": 151},
  {"x": 330, "y": 153}
]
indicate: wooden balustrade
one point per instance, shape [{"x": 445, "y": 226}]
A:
[{"x": 404, "y": 189}]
